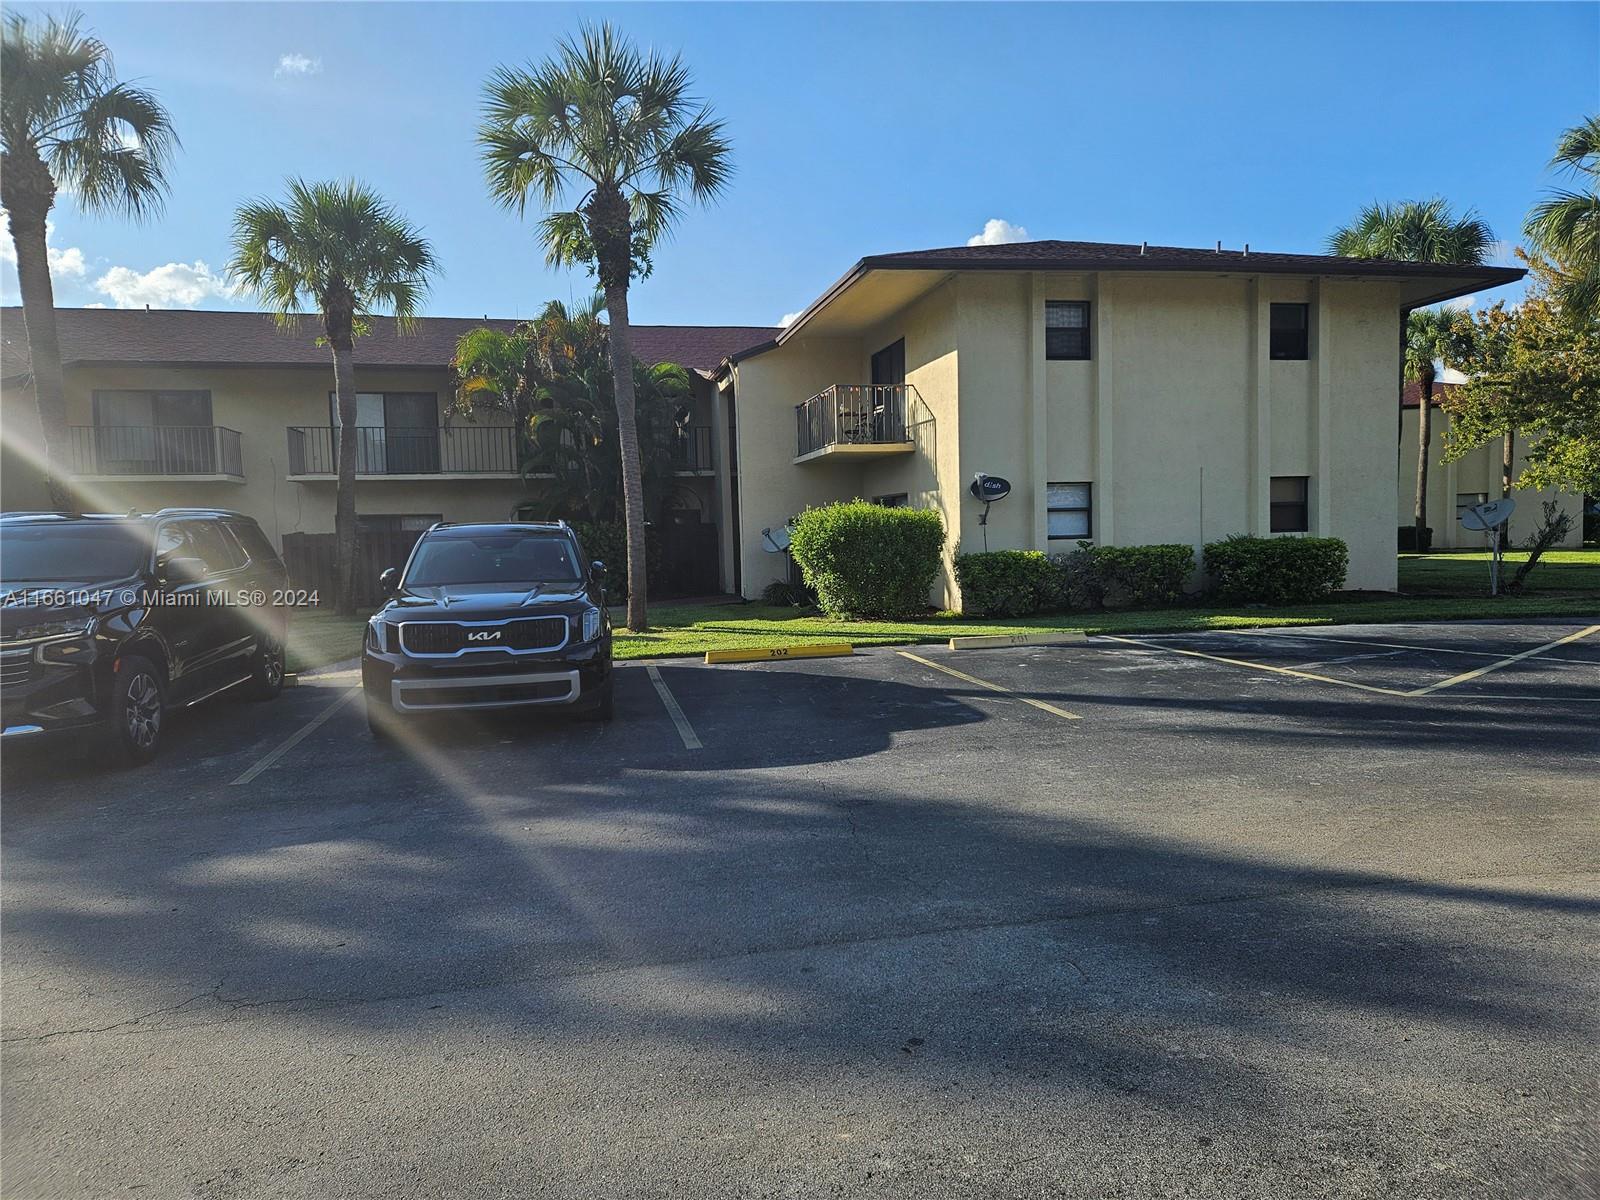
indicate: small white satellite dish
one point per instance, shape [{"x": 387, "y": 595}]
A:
[
  {"x": 775, "y": 541},
  {"x": 1488, "y": 516}
]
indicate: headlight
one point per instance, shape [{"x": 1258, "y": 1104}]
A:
[
  {"x": 50, "y": 630},
  {"x": 591, "y": 624},
  {"x": 376, "y": 639}
]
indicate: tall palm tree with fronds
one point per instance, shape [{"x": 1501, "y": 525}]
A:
[
  {"x": 1423, "y": 231},
  {"x": 67, "y": 123},
  {"x": 1565, "y": 226},
  {"x": 610, "y": 141},
  {"x": 337, "y": 249},
  {"x": 1430, "y": 338}
]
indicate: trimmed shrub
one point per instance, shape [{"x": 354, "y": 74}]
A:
[
  {"x": 1122, "y": 576},
  {"x": 1275, "y": 570},
  {"x": 866, "y": 560},
  {"x": 1006, "y": 583},
  {"x": 606, "y": 542},
  {"x": 781, "y": 593},
  {"x": 1406, "y": 540}
]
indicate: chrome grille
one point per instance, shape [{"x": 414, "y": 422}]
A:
[
  {"x": 15, "y": 666},
  {"x": 524, "y": 635}
]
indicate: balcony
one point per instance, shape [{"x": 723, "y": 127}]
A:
[
  {"x": 393, "y": 452},
  {"x": 863, "y": 420},
  {"x": 131, "y": 453},
  {"x": 691, "y": 451}
]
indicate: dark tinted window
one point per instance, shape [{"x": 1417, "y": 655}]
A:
[
  {"x": 198, "y": 539},
  {"x": 510, "y": 558},
  {"x": 1291, "y": 331},
  {"x": 255, "y": 542},
  {"x": 1066, "y": 329},
  {"x": 1290, "y": 510},
  {"x": 75, "y": 553}
]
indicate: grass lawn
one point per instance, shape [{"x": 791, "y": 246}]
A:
[
  {"x": 1466, "y": 572},
  {"x": 317, "y": 638}
]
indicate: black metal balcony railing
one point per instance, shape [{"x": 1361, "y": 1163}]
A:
[
  {"x": 393, "y": 450},
  {"x": 855, "y": 414},
  {"x": 154, "y": 450},
  {"x": 691, "y": 450}
]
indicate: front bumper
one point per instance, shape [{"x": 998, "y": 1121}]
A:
[
  {"x": 41, "y": 697},
  {"x": 574, "y": 677}
]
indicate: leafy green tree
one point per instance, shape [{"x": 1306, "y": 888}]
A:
[
  {"x": 1424, "y": 231},
  {"x": 67, "y": 123},
  {"x": 1565, "y": 226},
  {"x": 553, "y": 374},
  {"x": 1533, "y": 371},
  {"x": 611, "y": 139},
  {"x": 341, "y": 251}
]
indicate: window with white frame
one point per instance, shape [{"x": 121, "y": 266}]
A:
[
  {"x": 1071, "y": 511},
  {"x": 1066, "y": 329}
]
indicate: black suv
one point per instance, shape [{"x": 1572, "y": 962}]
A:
[
  {"x": 489, "y": 617},
  {"x": 107, "y": 622}
]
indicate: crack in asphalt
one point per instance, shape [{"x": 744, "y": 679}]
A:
[{"x": 135, "y": 1024}]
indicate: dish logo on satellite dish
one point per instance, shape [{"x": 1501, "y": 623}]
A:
[{"x": 990, "y": 488}]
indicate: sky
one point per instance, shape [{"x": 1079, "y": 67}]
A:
[{"x": 857, "y": 129}]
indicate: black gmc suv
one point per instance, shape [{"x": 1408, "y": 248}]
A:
[
  {"x": 108, "y": 622},
  {"x": 489, "y": 617}
]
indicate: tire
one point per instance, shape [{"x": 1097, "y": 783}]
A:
[
  {"x": 381, "y": 721},
  {"x": 138, "y": 711},
  {"x": 266, "y": 676},
  {"x": 605, "y": 708}
]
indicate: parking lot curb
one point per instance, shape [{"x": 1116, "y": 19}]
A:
[
  {"x": 991, "y": 641},
  {"x": 818, "y": 650}
]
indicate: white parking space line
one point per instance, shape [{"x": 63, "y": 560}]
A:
[
  {"x": 1506, "y": 662},
  {"x": 1255, "y": 666},
  {"x": 1289, "y": 635},
  {"x": 297, "y": 737},
  {"x": 670, "y": 703},
  {"x": 993, "y": 687}
]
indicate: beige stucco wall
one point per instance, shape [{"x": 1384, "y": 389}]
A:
[
  {"x": 1478, "y": 472},
  {"x": 1179, "y": 419}
]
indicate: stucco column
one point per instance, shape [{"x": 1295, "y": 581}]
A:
[
  {"x": 1104, "y": 464},
  {"x": 1260, "y": 409},
  {"x": 1038, "y": 413},
  {"x": 1321, "y": 411},
  {"x": 727, "y": 535}
]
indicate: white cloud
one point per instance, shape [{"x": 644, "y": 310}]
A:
[
  {"x": 1461, "y": 302},
  {"x": 175, "y": 285},
  {"x": 998, "y": 233},
  {"x": 65, "y": 261},
  {"x": 97, "y": 304},
  {"x": 788, "y": 319},
  {"x": 298, "y": 64}
]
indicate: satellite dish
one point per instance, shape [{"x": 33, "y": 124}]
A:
[
  {"x": 1488, "y": 516},
  {"x": 775, "y": 541},
  {"x": 990, "y": 488}
]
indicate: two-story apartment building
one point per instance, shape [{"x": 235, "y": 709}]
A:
[
  {"x": 226, "y": 409},
  {"x": 1131, "y": 394}
]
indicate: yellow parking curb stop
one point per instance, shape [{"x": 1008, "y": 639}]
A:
[
  {"x": 991, "y": 641},
  {"x": 818, "y": 650}
]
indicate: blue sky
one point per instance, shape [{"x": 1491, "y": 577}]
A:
[{"x": 857, "y": 129}]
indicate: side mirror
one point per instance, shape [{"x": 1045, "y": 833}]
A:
[
  {"x": 181, "y": 569},
  {"x": 389, "y": 581},
  {"x": 597, "y": 569}
]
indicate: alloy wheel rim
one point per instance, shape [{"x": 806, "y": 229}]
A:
[
  {"x": 144, "y": 710},
  {"x": 274, "y": 666}
]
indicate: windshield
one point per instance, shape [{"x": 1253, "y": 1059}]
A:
[
  {"x": 83, "y": 552},
  {"x": 516, "y": 558}
]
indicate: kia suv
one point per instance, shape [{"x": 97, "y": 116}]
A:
[
  {"x": 108, "y": 622},
  {"x": 489, "y": 617}
]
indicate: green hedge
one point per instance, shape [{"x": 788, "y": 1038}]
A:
[
  {"x": 606, "y": 542},
  {"x": 866, "y": 560},
  {"x": 1275, "y": 570},
  {"x": 1006, "y": 583}
]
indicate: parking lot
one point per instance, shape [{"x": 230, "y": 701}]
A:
[{"x": 1273, "y": 914}]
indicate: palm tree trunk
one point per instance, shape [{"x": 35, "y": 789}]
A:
[
  {"x": 44, "y": 348},
  {"x": 1508, "y": 449},
  {"x": 628, "y": 447},
  {"x": 1424, "y": 436},
  {"x": 344, "y": 506}
]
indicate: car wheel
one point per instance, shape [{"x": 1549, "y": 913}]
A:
[
  {"x": 266, "y": 679},
  {"x": 138, "y": 709},
  {"x": 381, "y": 721}
]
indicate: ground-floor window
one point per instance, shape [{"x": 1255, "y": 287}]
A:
[
  {"x": 1071, "y": 510},
  {"x": 893, "y": 500},
  {"x": 1291, "y": 508},
  {"x": 1466, "y": 500}
]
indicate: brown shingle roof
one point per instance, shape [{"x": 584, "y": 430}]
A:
[{"x": 187, "y": 337}]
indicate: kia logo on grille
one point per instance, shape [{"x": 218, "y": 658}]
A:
[{"x": 484, "y": 635}]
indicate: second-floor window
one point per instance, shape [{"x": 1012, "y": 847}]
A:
[
  {"x": 397, "y": 433},
  {"x": 1066, "y": 329},
  {"x": 1291, "y": 331},
  {"x": 1070, "y": 510}
]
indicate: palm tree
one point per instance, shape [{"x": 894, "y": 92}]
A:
[
  {"x": 617, "y": 133},
  {"x": 67, "y": 123},
  {"x": 1424, "y": 231},
  {"x": 1565, "y": 227},
  {"x": 1430, "y": 337},
  {"x": 339, "y": 249}
]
